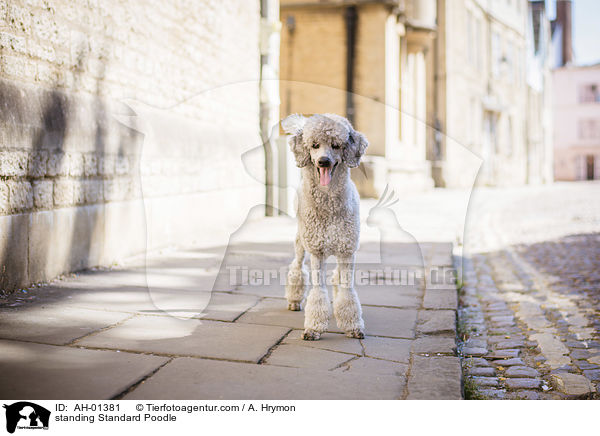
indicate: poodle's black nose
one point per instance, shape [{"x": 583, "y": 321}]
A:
[{"x": 324, "y": 162}]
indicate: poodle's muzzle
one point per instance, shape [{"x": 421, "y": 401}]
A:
[{"x": 325, "y": 168}]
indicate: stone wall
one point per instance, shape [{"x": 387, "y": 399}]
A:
[{"x": 122, "y": 130}]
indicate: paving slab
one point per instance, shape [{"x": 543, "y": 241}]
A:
[
  {"x": 435, "y": 378},
  {"x": 142, "y": 300},
  {"x": 329, "y": 341},
  {"x": 228, "y": 307},
  {"x": 440, "y": 299},
  {"x": 380, "y": 321},
  {"x": 392, "y": 296},
  {"x": 54, "y": 324},
  {"x": 271, "y": 311},
  {"x": 51, "y": 372},
  {"x": 436, "y": 321},
  {"x": 302, "y": 357},
  {"x": 200, "y": 379},
  {"x": 391, "y": 322},
  {"x": 434, "y": 344},
  {"x": 370, "y": 367},
  {"x": 397, "y": 350},
  {"x": 172, "y": 336}
]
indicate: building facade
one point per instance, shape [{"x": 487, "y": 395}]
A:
[
  {"x": 483, "y": 95},
  {"x": 577, "y": 122},
  {"x": 369, "y": 62}
]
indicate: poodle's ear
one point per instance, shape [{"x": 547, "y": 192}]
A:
[
  {"x": 293, "y": 126},
  {"x": 357, "y": 144}
]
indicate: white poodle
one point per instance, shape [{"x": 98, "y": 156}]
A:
[{"x": 326, "y": 147}]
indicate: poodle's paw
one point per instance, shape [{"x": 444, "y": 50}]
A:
[
  {"x": 356, "y": 333},
  {"x": 295, "y": 306},
  {"x": 311, "y": 335}
]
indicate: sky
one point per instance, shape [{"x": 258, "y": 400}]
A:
[{"x": 586, "y": 30}]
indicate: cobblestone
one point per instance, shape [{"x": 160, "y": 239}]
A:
[
  {"x": 534, "y": 290},
  {"x": 523, "y": 383},
  {"x": 521, "y": 371}
]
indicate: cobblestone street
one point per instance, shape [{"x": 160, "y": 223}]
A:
[{"x": 530, "y": 300}]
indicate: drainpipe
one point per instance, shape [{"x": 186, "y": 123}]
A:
[
  {"x": 269, "y": 89},
  {"x": 351, "y": 17}
]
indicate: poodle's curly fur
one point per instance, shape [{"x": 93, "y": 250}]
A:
[{"x": 328, "y": 221}]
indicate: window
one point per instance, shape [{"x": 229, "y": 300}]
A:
[
  {"x": 589, "y": 128},
  {"x": 589, "y": 93},
  {"x": 496, "y": 54}
]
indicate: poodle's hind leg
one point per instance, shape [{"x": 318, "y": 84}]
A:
[
  {"x": 296, "y": 279},
  {"x": 346, "y": 307},
  {"x": 318, "y": 311}
]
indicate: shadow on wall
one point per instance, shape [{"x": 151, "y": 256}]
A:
[{"x": 62, "y": 161}]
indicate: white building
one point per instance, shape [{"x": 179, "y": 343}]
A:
[{"x": 577, "y": 122}]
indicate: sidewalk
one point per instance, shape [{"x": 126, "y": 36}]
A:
[{"x": 170, "y": 331}]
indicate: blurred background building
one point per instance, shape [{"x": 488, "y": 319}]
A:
[
  {"x": 492, "y": 91},
  {"x": 576, "y": 106},
  {"x": 427, "y": 80}
]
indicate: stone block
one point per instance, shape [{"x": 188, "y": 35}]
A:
[
  {"x": 4, "y": 202},
  {"x": 63, "y": 192},
  {"x": 106, "y": 165},
  {"x": 43, "y": 194},
  {"x": 20, "y": 196},
  {"x": 38, "y": 163},
  {"x": 93, "y": 191},
  {"x": 90, "y": 164},
  {"x": 57, "y": 164},
  {"x": 14, "y": 231},
  {"x": 75, "y": 164},
  {"x": 13, "y": 163},
  {"x": 122, "y": 165}
]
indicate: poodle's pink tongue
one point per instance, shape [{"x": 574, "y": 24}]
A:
[{"x": 325, "y": 176}]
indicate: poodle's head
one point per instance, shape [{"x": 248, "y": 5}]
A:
[{"x": 324, "y": 142}]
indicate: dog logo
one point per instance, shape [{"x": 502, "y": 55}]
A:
[{"x": 26, "y": 415}]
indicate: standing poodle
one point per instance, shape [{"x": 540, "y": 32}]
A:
[{"x": 326, "y": 147}]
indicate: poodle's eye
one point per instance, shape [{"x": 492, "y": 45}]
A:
[
  {"x": 315, "y": 145},
  {"x": 336, "y": 146}
]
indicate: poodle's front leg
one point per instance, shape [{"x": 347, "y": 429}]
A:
[
  {"x": 318, "y": 311},
  {"x": 346, "y": 307},
  {"x": 296, "y": 278}
]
